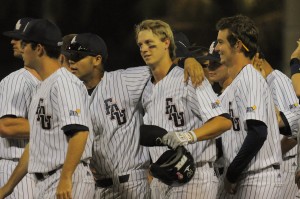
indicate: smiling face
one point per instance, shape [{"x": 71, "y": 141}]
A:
[
  {"x": 223, "y": 48},
  {"x": 152, "y": 49}
]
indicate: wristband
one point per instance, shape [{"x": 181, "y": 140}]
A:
[
  {"x": 294, "y": 61},
  {"x": 295, "y": 66},
  {"x": 193, "y": 136}
]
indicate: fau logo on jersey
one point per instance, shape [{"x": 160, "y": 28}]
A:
[
  {"x": 114, "y": 111},
  {"x": 173, "y": 114},
  {"x": 44, "y": 119},
  {"x": 235, "y": 120}
]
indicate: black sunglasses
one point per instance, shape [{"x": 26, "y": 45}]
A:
[
  {"x": 213, "y": 66},
  {"x": 76, "y": 52}
]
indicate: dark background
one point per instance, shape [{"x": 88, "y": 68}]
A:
[{"x": 114, "y": 21}]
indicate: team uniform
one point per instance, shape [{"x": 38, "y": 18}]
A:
[
  {"x": 287, "y": 102},
  {"x": 248, "y": 98},
  {"x": 175, "y": 106},
  {"x": 16, "y": 91},
  {"x": 60, "y": 103},
  {"x": 119, "y": 161}
]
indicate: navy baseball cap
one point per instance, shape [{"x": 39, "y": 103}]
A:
[
  {"x": 212, "y": 54},
  {"x": 86, "y": 44},
  {"x": 19, "y": 27},
  {"x": 182, "y": 44},
  {"x": 42, "y": 31}
]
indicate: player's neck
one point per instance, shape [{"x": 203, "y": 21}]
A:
[
  {"x": 94, "y": 79},
  {"x": 226, "y": 83},
  {"x": 161, "y": 69},
  {"x": 47, "y": 67},
  {"x": 267, "y": 67},
  {"x": 33, "y": 72},
  {"x": 238, "y": 65}
]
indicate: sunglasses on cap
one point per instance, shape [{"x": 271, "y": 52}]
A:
[{"x": 76, "y": 52}]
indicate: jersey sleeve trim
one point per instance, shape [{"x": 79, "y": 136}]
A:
[{"x": 71, "y": 129}]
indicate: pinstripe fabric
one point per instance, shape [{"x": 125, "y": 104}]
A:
[
  {"x": 262, "y": 184},
  {"x": 286, "y": 100},
  {"x": 174, "y": 106},
  {"x": 16, "y": 91},
  {"x": 24, "y": 189},
  {"x": 249, "y": 97},
  {"x": 136, "y": 187},
  {"x": 83, "y": 186},
  {"x": 60, "y": 100},
  {"x": 116, "y": 117}
]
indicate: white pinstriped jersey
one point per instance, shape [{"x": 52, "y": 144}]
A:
[
  {"x": 16, "y": 91},
  {"x": 116, "y": 117},
  {"x": 175, "y": 106},
  {"x": 286, "y": 100},
  {"x": 248, "y": 98},
  {"x": 60, "y": 100}
]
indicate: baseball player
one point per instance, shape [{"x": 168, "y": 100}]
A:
[
  {"x": 286, "y": 101},
  {"x": 119, "y": 162},
  {"x": 189, "y": 114},
  {"x": 60, "y": 142},
  {"x": 251, "y": 148},
  {"x": 14, "y": 109}
]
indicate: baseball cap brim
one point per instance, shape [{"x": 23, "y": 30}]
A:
[
  {"x": 12, "y": 34},
  {"x": 209, "y": 57}
]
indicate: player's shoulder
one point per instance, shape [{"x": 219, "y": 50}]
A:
[
  {"x": 64, "y": 78},
  {"x": 249, "y": 75},
  {"x": 20, "y": 75},
  {"x": 280, "y": 76}
]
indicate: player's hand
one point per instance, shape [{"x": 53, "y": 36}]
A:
[
  {"x": 296, "y": 53},
  {"x": 258, "y": 64},
  {"x": 297, "y": 179},
  {"x": 193, "y": 70},
  {"x": 64, "y": 189},
  {"x": 175, "y": 139},
  {"x": 229, "y": 187}
]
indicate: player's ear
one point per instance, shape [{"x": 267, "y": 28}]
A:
[
  {"x": 97, "y": 60},
  {"x": 40, "y": 50},
  {"x": 167, "y": 43}
]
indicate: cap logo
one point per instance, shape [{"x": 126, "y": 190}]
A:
[
  {"x": 211, "y": 48},
  {"x": 25, "y": 27},
  {"x": 181, "y": 43},
  {"x": 73, "y": 40},
  {"x": 18, "y": 25}
]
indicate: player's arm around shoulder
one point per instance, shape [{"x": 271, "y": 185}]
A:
[
  {"x": 214, "y": 127},
  {"x": 14, "y": 127}
]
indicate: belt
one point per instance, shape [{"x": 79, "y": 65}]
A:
[
  {"x": 201, "y": 164},
  {"x": 11, "y": 159},
  {"x": 289, "y": 157},
  {"x": 107, "y": 182},
  {"x": 43, "y": 176},
  {"x": 276, "y": 166}
]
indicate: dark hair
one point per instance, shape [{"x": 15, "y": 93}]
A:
[
  {"x": 241, "y": 28},
  {"x": 52, "y": 51}
]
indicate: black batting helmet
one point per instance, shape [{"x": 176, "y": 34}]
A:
[{"x": 174, "y": 167}]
